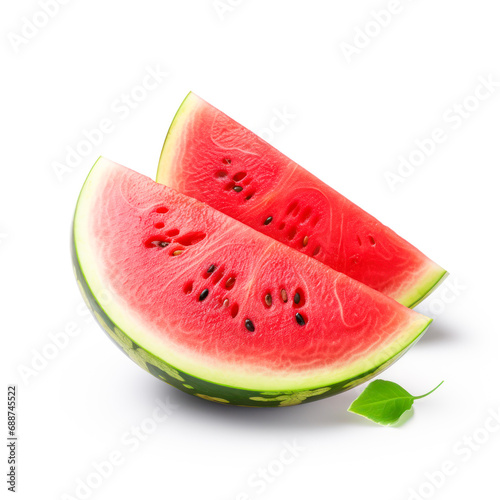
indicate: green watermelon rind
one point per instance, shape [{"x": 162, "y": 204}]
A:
[
  {"x": 434, "y": 276},
  {"x": 427, "y": 286},
  {"x": 207, "y": 389},
  {"x": 204, "y": 388},
  {"x": 163, "y": 167}
]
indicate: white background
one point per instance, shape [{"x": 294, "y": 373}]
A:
[{"x": 352, "y": 120}]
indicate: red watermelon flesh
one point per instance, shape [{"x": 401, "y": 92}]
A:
[
  {"x": 209, "y": 156},
  {"x": 212, "y": 298}
]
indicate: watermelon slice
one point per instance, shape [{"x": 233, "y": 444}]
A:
[
  {"x": 209, "y": 156},
  {"x": 220, "y": 310}
]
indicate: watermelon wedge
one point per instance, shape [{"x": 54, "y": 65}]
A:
[
  {"x": 220, "y": 310},
  {"x": 209, "y": 156}
]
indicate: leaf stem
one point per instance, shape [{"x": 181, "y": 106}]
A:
[{"x": 430, "y": 392}]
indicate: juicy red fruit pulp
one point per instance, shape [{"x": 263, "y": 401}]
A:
[
  {"x": 209, "y": 156},
  {"x": 199, "y": 284}
]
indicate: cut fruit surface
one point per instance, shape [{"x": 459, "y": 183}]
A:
[
  {"x": 209, "y": 156},
  {"x": 220, "y": 310}
]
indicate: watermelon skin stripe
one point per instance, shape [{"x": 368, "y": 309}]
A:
[
  {"x": 134, "y": 347},
  {"x": 200, "y": 135}
]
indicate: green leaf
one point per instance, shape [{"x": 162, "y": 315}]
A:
[{"x": 384, "y": 402}]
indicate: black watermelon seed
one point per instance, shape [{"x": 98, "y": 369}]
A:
[
  {"x": 268, "y": 221},
  {"x": 211, "y": 269},
  {"x": 203, "y": 295},
  {"x": 296, "y": 298},
  {"x": 237, "y": 189},
  {"x": 230, "y": 282},
  {"x": 268, "y": 300},
  {"x": 249, "y": 325},
  {"x": 300, "y": 320}
]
